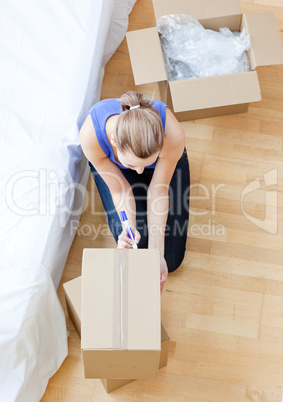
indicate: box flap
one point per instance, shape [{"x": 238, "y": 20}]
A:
[
  {"x": 146, "y": 56},
  {"x": 220, "y": 90},
  {"x": 72, "y": 290},
  {"x": 144, "y": 299},
  {"x": 199, "y": 9},
  {"x": 97, "y": 299},
  {"x": 266, "y": 46},
  {"x": 135, "y": 313},
  {"x": 164, "y": 335}
]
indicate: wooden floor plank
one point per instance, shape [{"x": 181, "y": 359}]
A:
[{"x": 223, "y": 308}]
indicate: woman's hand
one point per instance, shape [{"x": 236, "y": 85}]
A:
[
  {"x": 125, "y": 242},
  {"x": 163, "y": 273}
]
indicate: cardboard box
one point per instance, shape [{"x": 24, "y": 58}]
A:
[
  {"x": 72, "y": 291},
  {"x": 113, "y": 384},
  {"x": 164, "y": 347},
  {"x": 210, "y": 96},
  {"x": 120, "y": 328}
]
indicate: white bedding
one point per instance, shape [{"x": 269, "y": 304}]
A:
[{"x": 52, "y": 57}]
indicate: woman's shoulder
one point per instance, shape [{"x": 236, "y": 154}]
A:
[
  {"x": 158, "y": 104},
  {"x": 161, "y": 107},
  {"x": 106, "y": 105},
  {"x": 174, "y": 139},
  {"x": 89, "y": 141},
  {"x": 87, "y": 131}
]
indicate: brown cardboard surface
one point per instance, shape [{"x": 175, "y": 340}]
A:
[
  {"x": 140, "y": 294},
  {"x": 266, "y": 46},
  {"x": 199, "y": 9},
  {"x": 139, "y": 364},
  {"x": 220, "y": 90},
  {"x": 112, "y": 385},
  {"x": 164, "y": 335},
  {"x": 146, "y": 56},
  {"x": 222, "y": 94},
  {"x": 212, "y": 112},
  {"x": 164, "y": 347},
  {"x": 97, "y": 299},
  {"x": 143, "y": 300},
  {"x": 232, "y": 21},
  {"x": 116, "y": 383},
  {"x": 72, "y": 290}
]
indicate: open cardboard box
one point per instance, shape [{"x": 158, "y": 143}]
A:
[
  {"x": 120, "y": 330},
  {"x": 197, "y": 98},
  {"x": 72, "y": 291}
]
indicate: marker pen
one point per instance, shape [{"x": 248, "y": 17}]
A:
[{"x": 125, "y": 221}]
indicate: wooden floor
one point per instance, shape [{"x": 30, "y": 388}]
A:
[{"x": 223, "y": 308}]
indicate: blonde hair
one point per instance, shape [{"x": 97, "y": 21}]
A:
[{"x": 139, "y": 127}]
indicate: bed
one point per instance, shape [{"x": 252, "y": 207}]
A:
[{"x": 52, "y": 58}]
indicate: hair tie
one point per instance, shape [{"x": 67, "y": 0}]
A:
[{"x": 134, "y": 107}]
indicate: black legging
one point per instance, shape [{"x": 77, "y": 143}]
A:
[{"x": 178, "y": 213}]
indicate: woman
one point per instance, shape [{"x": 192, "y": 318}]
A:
[{"x": 135, "y": 149}]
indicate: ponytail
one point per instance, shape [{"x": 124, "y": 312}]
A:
[{"x": 139, "y": 127}]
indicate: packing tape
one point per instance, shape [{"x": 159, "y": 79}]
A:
[{"x": 120, "y": 299}]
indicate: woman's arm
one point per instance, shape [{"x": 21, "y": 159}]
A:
[
  {"x": 119, "y": 187},
  {"x": 158, "y": 192}
]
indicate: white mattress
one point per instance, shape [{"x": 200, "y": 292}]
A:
[{"x": 52, "y": 57}]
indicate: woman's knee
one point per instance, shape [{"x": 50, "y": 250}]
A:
[{"x": 174, "y": 262}]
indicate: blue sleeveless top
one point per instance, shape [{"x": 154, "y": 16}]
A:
[{"x": 102, "y": 110}]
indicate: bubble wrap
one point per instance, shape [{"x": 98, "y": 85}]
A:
[{"x": 191, "y": 51}]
